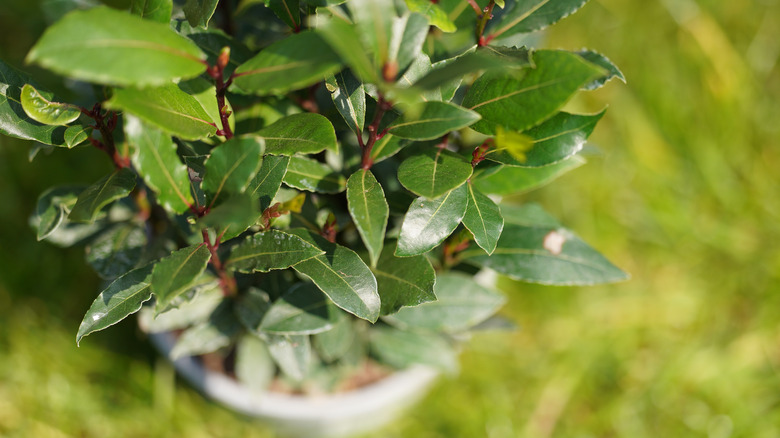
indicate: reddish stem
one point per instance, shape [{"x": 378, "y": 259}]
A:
[
  {"x": 487, "y": 14},
  {"x": 382, "y": 106},
  {"x": 217, "y": 72},
  {"x": 226, "y": 281}
]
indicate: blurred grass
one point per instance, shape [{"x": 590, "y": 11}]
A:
[{"x": 684, "y": 195}]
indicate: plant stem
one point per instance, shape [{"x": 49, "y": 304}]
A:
[
  {"x": 382, "y": 106},
  {"x": 226, "y": 281},
  {"x": 217, "y": 72},
  {"x": 487, "y": 14},
  {"x": 105, "y": 124}
]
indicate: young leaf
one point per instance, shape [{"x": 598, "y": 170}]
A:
[
  {"x": 429, "y": 221},
  {"x": 53, "y": 207},
  {"x": 209, "y": 336},
  {"x": 409, "y": 32},
  {"x": 106, "y": 46},
  {"x": 114, "y": 186},
  {"x": 512, "y": 180},
  {"x": 168, "y": 108},
  {"x": 292, "y": 353},
  {"x": 483, "y": 218},
  {"x": 268, "y": 179},
  {"x": 270, "y": 250},
  {"x": 303, "y": 310},
  {"x": 531, "y": 15},
  {"x": 518, "y": 103},
  {"x": 76, "y": 134},
  {"x": 254, "y": 366},
  {"x": 460, "y": 304},
  {"x": 432, "y": 120},
  {"x": 154, "y": 10},
  {"x": 117, "y": 250},
  {"x": 402, "y": 349},
  {"x": 295, "y": 62},
  {"x": 333, "y": 344},
  {"x": 303, "y": 133},
  {"x": 313, "y": 176},
  {"x": 156, "y": 161},
  {"x": 342, "y": 275},
  {"x": 288, "y": 11},
  {"x": 174, "y": 274},
  {"x": 602, "y": 61},
  {"x": 369, "y": 210},
  {"x": 120, "y": 299},
  {"x": 349, "y": 97},
  {"x": 404, "y": 281},
  {"x": 535, "y": 249},
  {"x": 231, "y": 166},
  {"x": 199, "y": 12},
  {"x": 433, "y": 172},
  {"x": 41, "y": 109},
  {"x": 434, "y": 12},
  {"x": 555, "y": 140}
]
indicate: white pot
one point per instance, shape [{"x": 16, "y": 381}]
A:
[{"x": 330, "y": 415}]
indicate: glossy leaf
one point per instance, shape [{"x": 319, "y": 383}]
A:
[
  {"x": 168, "y": 108},
  {"x": 369, "y": 210},
  {"x": 176, "y": 273},
  {"x": 402, "y": 349},
  {"x": 460, "y": 304},
  {"x": 512, "y": 180},
  {"x": 52, "y": 209},
  {"x": 303, "y": 310},
  {"x": 41, "y": 109},
  {"x": 295, "y": 62},
  {"x": 120, "y": 299},
  {"x": 342, "y": 276},
  {"x": 211, "y": 41},
  {"x": 374, "y": 23},
  {"x": 76, "y": 134},
  {"x": 526, "y": 16},
  {"x": 434, "y": 172},
  {"x": 292, "y": 353},
  {"x": 553, "y": 141},
  {"x": 304, "y": 133},
  {"x": 534, "y": 248},
  {"x": 251, "y": 308},
  {"x": 288, "y": 11},
  {"x": 483, "y": 218},
  {"x": 349, "y": 97},
  {"x": 254, "y": 366},
  {"x": 408, "y": 36},
  {"x": 209, "y": 336},
  {"x": 231, "y": 166},
  {"x": 313, "y": 176},
  {"x": 203, "y": 91},
  {"x": 434, "y": 12},
  {"x": 155, "y": 159},
  {"x": 154, "y": 10},
  {"x": 117, "y": 251},
  {"x": 429, "y": 221},
  {"x": 433, "y": 120},
  {"x": 272, "y": 249},
  {"x": 387, "y": 146},
  {"x": 520, "y": 102},
  {"x": 114, "y": 186},
  {"x": 343, "y": 38},
  {"x": 333, "y": 344},
  {"x": 268, "y": 179},
  {"x": 232, "y": 217},
  {"x": 13, "y": 120},
  {"x": 199, "y": 12},
  {"x": 404, "y": 281},
  {"x": 602, "y": 61},
  {"x": 106, "y": 46},
  {"x": 450, "y": 72}
]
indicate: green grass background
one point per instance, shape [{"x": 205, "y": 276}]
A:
[{"x": 683, "y": 194}]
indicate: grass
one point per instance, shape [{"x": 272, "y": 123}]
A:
[{"x": 683, "y": 194}]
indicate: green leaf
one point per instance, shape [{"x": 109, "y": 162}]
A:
[
  {"x": 231, "y": 166},
  {"x": 429, "y": 221},
  {"x": 343, "y": 38},
  {"x": 434, "y": 12},
  {"x": 520, "y": 102},
  {"x": 342, "y": 275},
  {"x": 14, "y": 121},
  {"x": 434, "y": 172},
  {"x": 288, "y": 11},
  {"x": 199, "y": 12},
  {"x": 254, "y": 366},
  {"x": 303, "y": 310},
  {"x": 154, "y": 10},
  {"x": 232, "y": 217},
  {"x": 117, "y": 251},
  {"x": 349, "y": 97},
  {"x": 295, "y": 62},
  {"x": 176, "y": 273},
  {"x": 432, "y": 120},
  {"x": 168, "y": 108},
  {"x": 527, "y": 16},
  {"x": 268, "y": 179},
  {"x": 402, "y": 349},
  {"x": 270, "y": 250},
  {"x": 386, "y": 147},
  {"x": 334, "y": 344},
  {"x": 534, "y": 248},
  {"x": 404, "y": 281},
  {"x": 374, "y": 24},
  {"x": 555, "y": 140},
  {"x": 155, "y": 159},
  {"x": 110, "y": 47},
  {"x": 313, "y": 176},
  {"x": 449, "y": 73},
  {"x": 114, "y": 186},
  {"x": 369, "y": 210},
  {"x": 204, "y": 92},
  {"x": 192, "y": 312},
  {"x": 409, "y": 33},
  {"x": 209, "y": 336},
  {"x": 251, "y": 308},
  {"x": 483, "y": 218},
  {"x": 292, "y": 353},
  {"x": 52, "y": 209},
  {"x": 303, "y": 133},
  {"x": 120, "y": 299},
  {"x": 602, "y": 61},
  {"x": 76, "y": 134},
  {"x": 461, "y": 304},
  {"x": 513, "y": 180},
  {"x": 41, "y": 109},
  {"x": 212, "y": 41}
]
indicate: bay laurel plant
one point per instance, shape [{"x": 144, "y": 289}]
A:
[{"x": 308, "y": 185}]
